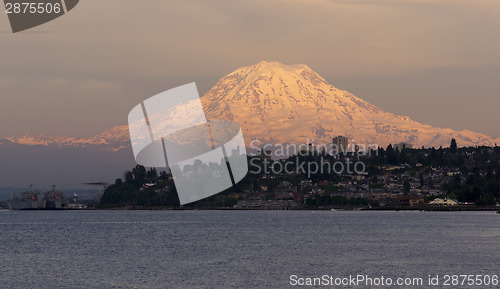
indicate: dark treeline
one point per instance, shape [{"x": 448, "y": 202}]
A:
[
  {"x": 479, "y": 168},
  {"x": 476, "y": 178},
  {"x": 134, "y": 191}
]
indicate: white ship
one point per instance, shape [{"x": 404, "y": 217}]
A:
[
  {"x": 55, "y": 199},
  {"x": 33, "y": 200},
  {"x": 29, "y": 200}
]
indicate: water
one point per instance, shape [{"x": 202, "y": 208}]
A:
[{"x": 239, "y": 249}]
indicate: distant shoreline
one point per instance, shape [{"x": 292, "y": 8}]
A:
[
  {"x": 333, "y": 209},
  {"x": 424, "y": 209}
]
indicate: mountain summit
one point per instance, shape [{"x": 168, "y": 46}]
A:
[
  {"x": 274, "y": 103},
  {"x": 277, "y": 103}
]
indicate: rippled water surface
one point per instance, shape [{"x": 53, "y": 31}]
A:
[{"x": 238, "y": 249}]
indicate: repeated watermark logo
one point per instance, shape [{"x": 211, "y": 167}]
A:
[
  {"x": 310, "y": 158},
  {"x": 26, "y": 14},
  {"x": 205, "y": 157}
]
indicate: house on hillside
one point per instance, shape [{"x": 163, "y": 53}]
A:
[{"x": 443, "y": 202}]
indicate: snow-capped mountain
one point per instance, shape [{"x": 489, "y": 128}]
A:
[
  {"x": 277, "y": 104},
  {"x": 274, "y": 103},
  {"x": 65, "y": 161},
  {"x": 114, "y": 139}
]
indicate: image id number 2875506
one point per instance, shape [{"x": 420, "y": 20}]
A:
[{"x": 32, "y": 8}]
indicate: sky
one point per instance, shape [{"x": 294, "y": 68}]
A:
[{"x": 79, "y": 75}]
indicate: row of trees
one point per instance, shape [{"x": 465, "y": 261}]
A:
[
  {"x": 480, "y": 166},
  {"x": 462, "y": 158},
  {"x": 134, "y": 191}
]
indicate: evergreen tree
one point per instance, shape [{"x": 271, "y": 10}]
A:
[
  {"x": 453, "y": 146},
  {"x": 129, "y": 177},
  {"x": 391, "y": 155},
  {"x": 139, "y": 173}
]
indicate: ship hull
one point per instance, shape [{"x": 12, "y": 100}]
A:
[
  {"x": 54, "y": 205},
  {"x": 26, "y": 205}
]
